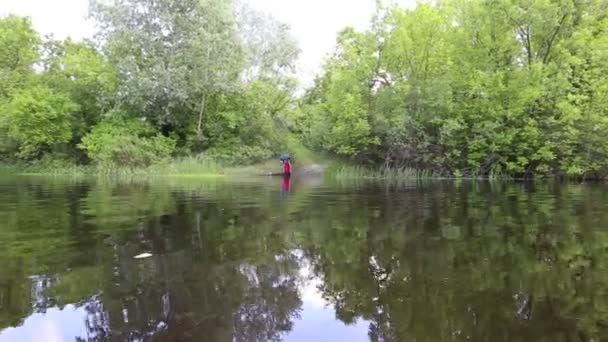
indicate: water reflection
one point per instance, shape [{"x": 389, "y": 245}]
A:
[
  {"x": 430, "y": 262},
  {"x": 286, "y": 184}
]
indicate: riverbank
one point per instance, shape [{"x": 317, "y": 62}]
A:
[
  {"x": 305, "y": 162},
  {"x": 342, "y": 170},
  {"x": 309, "y": 165},
  {"x": 312, "y": 166},
  {"x": 182, "y": 167},
  {"x": 186, "y": 167}
]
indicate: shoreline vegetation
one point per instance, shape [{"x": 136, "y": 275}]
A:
[
  {"x": 471, "y": 90},
  {"x": 308, "y": 164},
  {"x": 207, "y": 169}
]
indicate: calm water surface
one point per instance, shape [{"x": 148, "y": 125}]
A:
[{"x": 264, "y": 260}]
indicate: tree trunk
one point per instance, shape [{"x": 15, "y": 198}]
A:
[{"x": 199, "y": 129}]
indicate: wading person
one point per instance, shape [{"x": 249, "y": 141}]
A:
[
  {"x": 286, "y": 160},
  {"x": 286, "y": 168}
]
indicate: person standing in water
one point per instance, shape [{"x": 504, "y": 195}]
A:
[
  {"x": 286, "y": 160},
  {"x": 286, "y": 168},
  {"x": 286, "y": 184}
]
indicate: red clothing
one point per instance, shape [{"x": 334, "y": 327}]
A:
[
  {"x": 286, "y": 168},
  {"x": 286, "y": 184}
]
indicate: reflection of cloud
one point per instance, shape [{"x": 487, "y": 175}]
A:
[
  {"x": 310, "y": 294},
  {"x": 53, "y": 326},
  {"x": 49, "y": 333},
  {"x": 309, "y": 288},
  {"x": 318, "y": 320}
]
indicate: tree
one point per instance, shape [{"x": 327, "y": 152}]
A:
[
  {"x": 19, "y": 49},
  {"x": 269, "y": 49},
  {"x": 340, "y": 117},
  {"x": 469, "y": 87},
  {"x": 39, "y": 120},
  {"x": 78, "y": 69},
  {"x": 18, "y": 52},
  {"x": 172, "y": 56},
  {"x": 246, "y": 126}
]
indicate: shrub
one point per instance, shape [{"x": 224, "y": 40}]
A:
[
  {"x": 120, "y": 142},
  {"x": 239, "y": 155},
  {"x": 37, "y": 120}
]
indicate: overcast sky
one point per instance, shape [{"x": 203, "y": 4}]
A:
[{"x": 314, "y": 23}]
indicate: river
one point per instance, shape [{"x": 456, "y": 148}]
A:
[{"x": 270, "y": 260}]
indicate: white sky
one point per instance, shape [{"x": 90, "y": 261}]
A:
[{"x": 314, "y": 23}]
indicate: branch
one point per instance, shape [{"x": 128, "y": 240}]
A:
[{"x": 555, "y": 33}]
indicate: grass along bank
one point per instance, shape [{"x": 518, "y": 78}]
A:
[
  {"x": 201, "y": 167},
  {"x": 177, "y": 167},
  {"x": 184, "y": 167},
  {"x": 192, "y": 167},
  {"x": 345, "y": 171}
]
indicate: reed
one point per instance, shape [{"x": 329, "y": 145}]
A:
[{"x": 358, "y": 172}]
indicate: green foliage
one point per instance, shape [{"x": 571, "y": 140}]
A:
[
  {"x": 464, "y": 88},
  {"x": 338, "y": 119},
  {"x": 190, "y": 166},
  {"x": 129, "y": 143},
  {"x": 238, "y": 154},
  {"x": 469, "y": 88},
  {"x": 172, "y": 55},
  {"x": 214, "y": 76},
  {"x": 79, "y": 70},
  {"x": 349, "y": 172},
  {"x": 247, "y": 127},
  {"x": 18, "y": 51},
  {"x": 38, "y": 120}
]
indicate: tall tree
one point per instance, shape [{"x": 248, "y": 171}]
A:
[
  {"x": 171, "y": 56},
  {"x": 79, "y": 70},
  {"x": 19, "y": 49}
]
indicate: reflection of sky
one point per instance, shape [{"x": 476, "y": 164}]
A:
[
  {"x": 317, "y": 322},
  {"x": 318, "y": 319},
  {"x": 53, "y": 326}
]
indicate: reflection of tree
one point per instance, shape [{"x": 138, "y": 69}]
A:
[
  {"x": 97, "y": 321},
  {"x": 263, "y": 317},
  {"x": 185, "y": 300},
  {"x": 438, "y": 262},
  {"x": 484, "y": 264},
  {"x": 219, "y": 270},
  {"x": 30, "y": 215},
  {"x": 227, "y": 282}
]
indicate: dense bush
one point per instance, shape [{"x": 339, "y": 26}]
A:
[
  {"x": 120, "y": 142},
  {"x": 237, "y": 154},
  {"x": 37, "y": 120}
]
